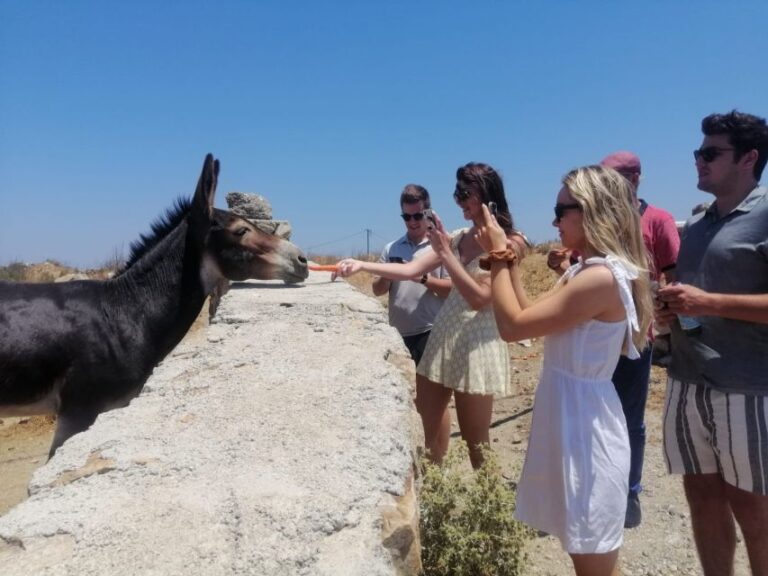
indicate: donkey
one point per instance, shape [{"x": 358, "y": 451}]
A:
[{"x": 77, "y": 349}]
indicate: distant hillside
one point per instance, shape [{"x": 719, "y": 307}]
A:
[{"x": 47, "y": 271}]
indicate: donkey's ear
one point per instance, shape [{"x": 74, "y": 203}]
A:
[
  {"x": 206, "y": 187},
  {"x": 214, "y": 184}
]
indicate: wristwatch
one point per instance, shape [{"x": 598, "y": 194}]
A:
[{"x": 424, "y": 279}]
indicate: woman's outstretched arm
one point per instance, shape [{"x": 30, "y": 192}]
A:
[{"x": 393, "y": 271}]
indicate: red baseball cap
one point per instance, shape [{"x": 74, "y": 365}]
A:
[{"x": 623, "y": 162}]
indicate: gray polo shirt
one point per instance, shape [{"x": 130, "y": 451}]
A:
[
  {"x": 726, "y": 255},
  {"x": 412, "y": 308}
]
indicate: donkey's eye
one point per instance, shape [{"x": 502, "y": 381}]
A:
[{"x": 241, "y": 231}]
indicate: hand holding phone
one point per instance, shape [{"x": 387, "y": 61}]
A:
[
  {"x": 492, "y": 208},
  {"x": 430, "y": 216}
]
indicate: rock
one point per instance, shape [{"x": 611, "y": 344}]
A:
[
  {"x": 400, "y": 530},
  {"x": 251, "y": 206},
  {"x": 258, "y": 210},
  {"x": 211, "y": 472},
  {"x": 281, "y": 228}
]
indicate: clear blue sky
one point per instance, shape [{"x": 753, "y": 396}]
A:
[{"x": 108, "y": 108}]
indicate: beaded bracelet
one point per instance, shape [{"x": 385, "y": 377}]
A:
[{"x": 504, "y": 255}]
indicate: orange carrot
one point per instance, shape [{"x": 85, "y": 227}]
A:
[{"x": 324, "y": 268}]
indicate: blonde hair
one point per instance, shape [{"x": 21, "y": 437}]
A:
[{"x": 612, "y": 226}]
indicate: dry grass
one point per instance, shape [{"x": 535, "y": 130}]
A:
[
  {"x": 537, "y": 277},
  {"x": 47, "y": 271}
]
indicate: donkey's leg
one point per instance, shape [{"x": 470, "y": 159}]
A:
[
  {"x": 70, "y": 423},
  {"x": 219, "y": 289}
]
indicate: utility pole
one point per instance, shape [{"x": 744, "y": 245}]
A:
[{"x": 367, "y": 241}]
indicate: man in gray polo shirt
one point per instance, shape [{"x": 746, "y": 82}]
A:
[
  {"x": 716, "y": 414},
  {"x": 413, "y": 304}
]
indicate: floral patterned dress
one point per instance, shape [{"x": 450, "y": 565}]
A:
[{"x": 464, "y": 351}]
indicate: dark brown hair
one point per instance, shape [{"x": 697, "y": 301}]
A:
[
  {"x": 745, "y": 133},
  {"x": 483, "y": 179},
  {"x": 413, "y": 193}
]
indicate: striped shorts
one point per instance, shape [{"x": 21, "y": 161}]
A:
[{"x": 708, "y": 432}]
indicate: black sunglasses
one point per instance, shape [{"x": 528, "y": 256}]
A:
[
  {"x": 561, "y": 208},
  {"x": 709, "y": 153},
  {"x": 418, "y": 216},
  {"x": 461, "y": 194}
]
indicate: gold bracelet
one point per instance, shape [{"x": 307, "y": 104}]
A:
[{"x": 504, "y": 255}]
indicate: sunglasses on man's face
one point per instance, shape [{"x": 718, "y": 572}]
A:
[
  {"x": 418, "y": 216},
  {"x": 709, "y": 153},
  {"x": 560, "y": 209}
]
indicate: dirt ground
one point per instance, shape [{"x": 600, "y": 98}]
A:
[
  {"x": 662, "y": 545},
  {"x": 24, "y": 444}
]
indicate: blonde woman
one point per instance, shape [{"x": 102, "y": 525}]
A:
[
  {"x": 574, "y": 482},
  {"x": 465, "y": 357}
]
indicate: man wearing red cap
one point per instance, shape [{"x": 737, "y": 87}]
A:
[{"x": 631, "y": 377}]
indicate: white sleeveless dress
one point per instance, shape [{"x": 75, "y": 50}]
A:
[{"x": 575, "y": 479}]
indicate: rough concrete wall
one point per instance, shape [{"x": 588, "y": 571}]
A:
[{"x": 279, "y": 440}]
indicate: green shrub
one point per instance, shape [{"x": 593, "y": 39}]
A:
[{"x": 467, "y": 524}]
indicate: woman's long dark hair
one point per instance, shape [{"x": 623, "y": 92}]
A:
[{"x": 484, "y": 180}]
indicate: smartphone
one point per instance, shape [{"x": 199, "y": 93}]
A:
[
  {"x": 430, "y": 216},
  {"x": 492, "y": 208},
  {"x": 396, "y": 259}
]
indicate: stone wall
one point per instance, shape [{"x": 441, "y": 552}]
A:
[{"x": 278, "y": 440}]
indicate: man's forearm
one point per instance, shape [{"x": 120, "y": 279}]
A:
[{"x": 747, "y": 307}]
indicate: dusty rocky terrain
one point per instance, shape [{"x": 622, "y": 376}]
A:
[
  {"x": 662, "y": 545},
  {"x": 24, "y": 444}
]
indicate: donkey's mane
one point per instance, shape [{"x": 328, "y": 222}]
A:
[{"x": 161, "y": 227}]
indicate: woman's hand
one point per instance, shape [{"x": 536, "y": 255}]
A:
[
  {"x": 349, "y": 266},
  {"x": 439, "y": 238},
  {"x": 489, "y": 234}
]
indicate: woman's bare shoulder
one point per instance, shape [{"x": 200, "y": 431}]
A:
[{"x": 593, "y": 276}]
